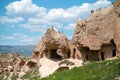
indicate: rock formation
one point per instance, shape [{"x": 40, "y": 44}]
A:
[
  {"x": 116, "y": 9},
  {"x": 98, "y": 38},
  {"x": 53, "y": 45},
  {"x": 13, "y": 64},
  {"x": 50, "y": 51}
]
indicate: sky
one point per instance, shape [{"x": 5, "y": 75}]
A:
[{"x": 24, "y": 22}]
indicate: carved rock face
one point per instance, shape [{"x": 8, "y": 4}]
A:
[
  {"x": 52, "y": 42},
  {"x": 117, "y": 28},
  {"x": 97, "y": 31},
  {"x": 102, "y": 28}
]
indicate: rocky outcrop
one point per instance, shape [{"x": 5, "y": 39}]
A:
[
  {"x": 49, "y": 66},
  {"x": 98, "y": 29},
  {"x": 53, "y": 45},
  {"x": 96, "y": 38},
  {"x": 12, "y": 64},
  {"x": 99, "y": 34},
  {"x": 7, "y": 62},
  {"x": 50, "y": 51},
  {"x": 116, "y": 9}
]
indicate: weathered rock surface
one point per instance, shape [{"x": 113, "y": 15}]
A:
[
  {"x": 12, "y": 64},
  {"x": 100, "y": 30},
  {"x": 49, "y": 66},
  {"x": 96, "y": 38},
  {"x": 117, "y": 26},
  {"x": 7, "y": 62},
  {"x": 53, "y": 45}
]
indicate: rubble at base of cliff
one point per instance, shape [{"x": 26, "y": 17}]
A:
[{"x": 13, "y": 65}]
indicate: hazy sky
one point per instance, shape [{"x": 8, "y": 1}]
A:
[{"x": 24, "y": 22}]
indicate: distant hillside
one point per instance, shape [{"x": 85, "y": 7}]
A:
[{"x": 25, "y": 50}]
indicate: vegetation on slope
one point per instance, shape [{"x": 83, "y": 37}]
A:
[
  {"x": 32, "y": 74},
  {"x": 105, "y": 70}
]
